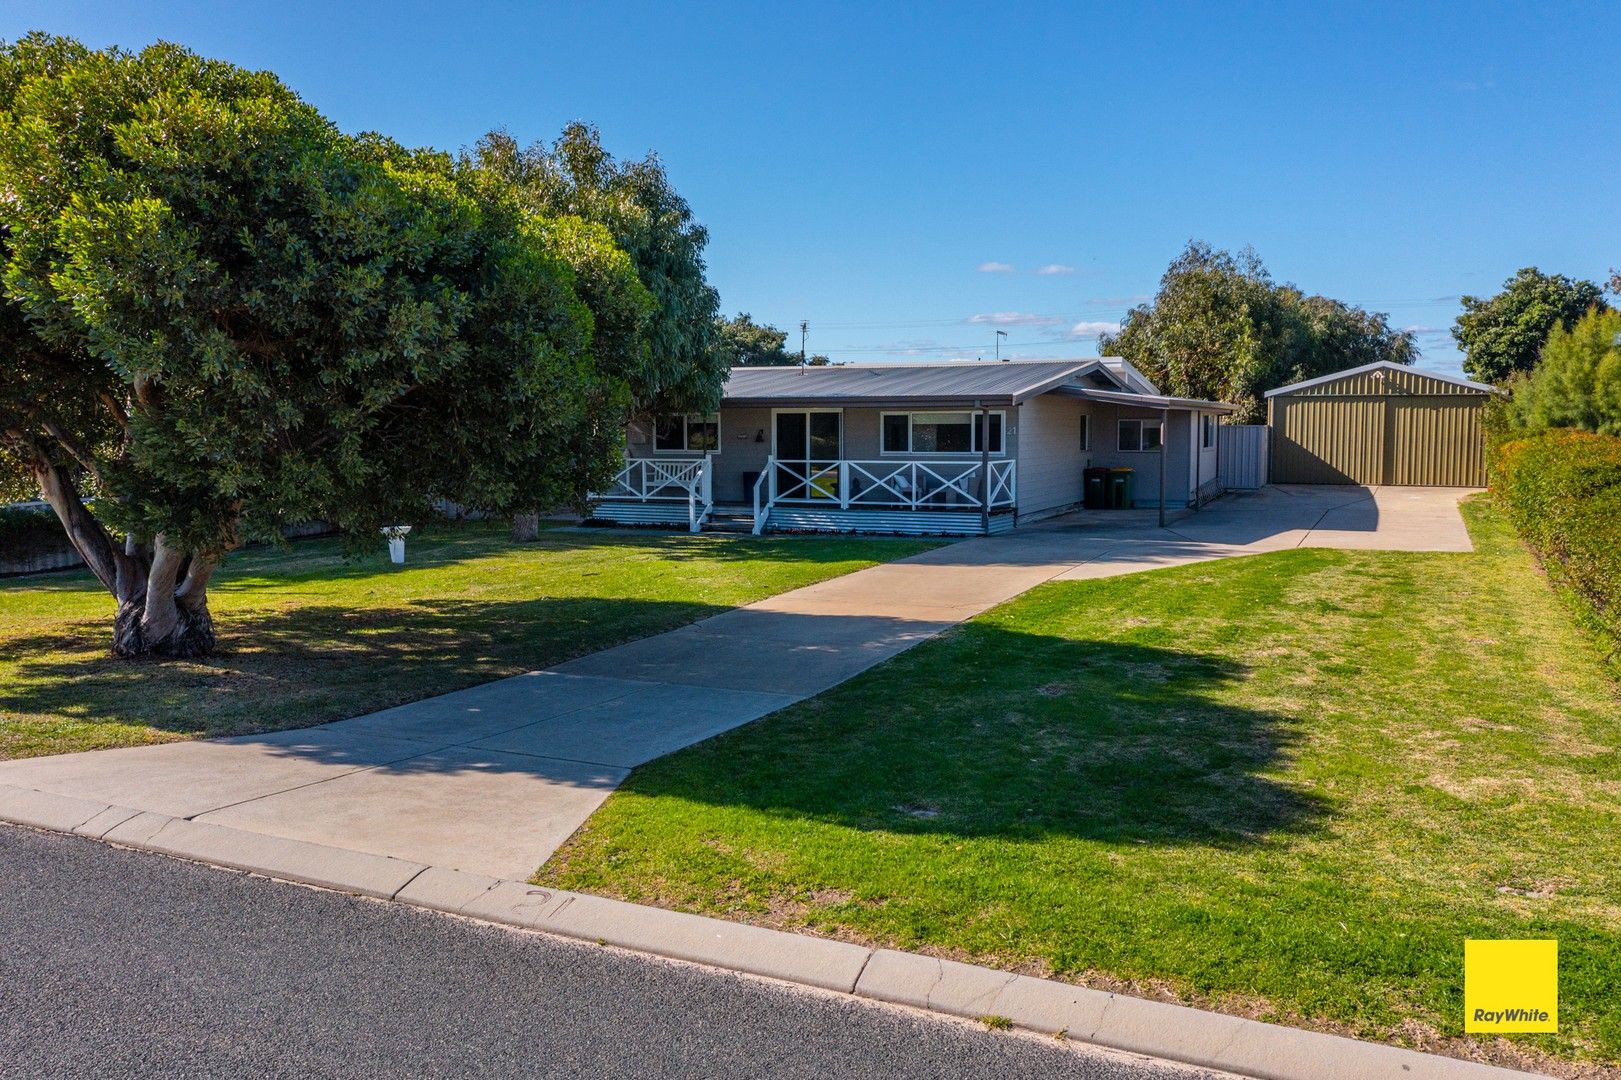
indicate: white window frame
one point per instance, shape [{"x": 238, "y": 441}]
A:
[
  {"x": 1086, "y": 433},
  {"x": 686, "y": 422},
  {"x": 1000, "y": 414},
  {"x": 1143, "y": 423},
  {"x": 1207, "y": 431}
]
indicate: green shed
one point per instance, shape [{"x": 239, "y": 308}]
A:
[{"x": 1382, "y": 423}]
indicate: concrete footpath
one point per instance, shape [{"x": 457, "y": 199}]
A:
[{"x": 492, "y": 779}]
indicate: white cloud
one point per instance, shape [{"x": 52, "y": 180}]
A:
[
  {"x": 1055, "y": 268},
  {"x": 995, "y": 268},
  {"x": 1015, "y": 318},
  {"x": 1093, "y": 329}
]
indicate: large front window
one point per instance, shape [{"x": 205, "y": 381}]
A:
[
  {"x": 939, "y": 433},
  {"x": 687, "y": 432}
]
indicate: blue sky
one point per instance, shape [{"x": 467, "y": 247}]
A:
[{"x": 910, "y": 179}]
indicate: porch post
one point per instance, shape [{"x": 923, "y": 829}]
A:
[
  {"x": 1198, "y": 459},
  {"x": 984, "y": 469},
  {"x": 1164, "y": 437}
]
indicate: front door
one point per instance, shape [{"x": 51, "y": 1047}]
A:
[{"x": 806, "y": 446}]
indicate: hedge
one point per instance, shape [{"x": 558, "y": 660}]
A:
[
  {"x": 27, "y": 531},
  {"x": 1562, "y": 491}
]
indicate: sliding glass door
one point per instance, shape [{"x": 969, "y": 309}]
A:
[{"x": 806, "y": 446}]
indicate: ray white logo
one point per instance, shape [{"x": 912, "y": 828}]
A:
[{"x": 1510, "y": 986}]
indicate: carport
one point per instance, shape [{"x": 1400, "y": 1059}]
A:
[{"x": 1379, "y": 424}]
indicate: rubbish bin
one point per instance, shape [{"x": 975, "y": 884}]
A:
[
  {"x": 1122, "y": 488},
  {"x": 1095, "y": 489}
]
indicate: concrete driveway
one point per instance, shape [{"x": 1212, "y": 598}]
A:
[{"x": 493, "y": 778}]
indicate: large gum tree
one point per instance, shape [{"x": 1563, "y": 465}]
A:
[{"x": 221, "y": 316}]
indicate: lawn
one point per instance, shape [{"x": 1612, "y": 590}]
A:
[
  {"x": 309, "y": 636},
  {"x": 1286, "y": 786}
]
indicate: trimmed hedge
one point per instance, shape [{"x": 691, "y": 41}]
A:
[{"x": 1562, "y": 490}]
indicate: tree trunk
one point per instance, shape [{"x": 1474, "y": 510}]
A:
[
  {"x": 169, "y": 618},
  {"x": 162, "y": 596},
  {"x": 526, "y": 527}
]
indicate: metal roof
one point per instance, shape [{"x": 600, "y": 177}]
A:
[
  {"x": 1388, "y": 365},
  {"x": 1147, "y": 401},
  {"x": 949, "y": 383}
]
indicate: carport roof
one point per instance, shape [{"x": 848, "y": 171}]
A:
[
  {"x": 1146, "y": 401},
  {"x": 951, "y": 383}
]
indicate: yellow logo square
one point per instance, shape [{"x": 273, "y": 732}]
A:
[{"x": 1510, "y": 986}]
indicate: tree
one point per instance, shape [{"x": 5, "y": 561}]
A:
[
  {"x": 746, "y": 343},
  {"x": 1503, "y": 334},
  {"x": 1220, "y": 329},
  {"x": 1576, "y": 383},
  {"x": 221, "y": 316},
  {"x": 681, "y": 370}
]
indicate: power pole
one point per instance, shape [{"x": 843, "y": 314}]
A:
[{"x": 804, "y": 328}]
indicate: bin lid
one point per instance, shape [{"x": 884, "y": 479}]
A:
[{"x": 1122, "y": 468}]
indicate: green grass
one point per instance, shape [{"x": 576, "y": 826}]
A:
[
  {"x": 308, "y": 636},
  {"x": 1286, "y": 786}
]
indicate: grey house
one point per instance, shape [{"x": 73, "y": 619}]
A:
[{"x": 939, "y": 448}]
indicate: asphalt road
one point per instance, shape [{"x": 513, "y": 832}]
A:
[{"x": 121, "y": 963}]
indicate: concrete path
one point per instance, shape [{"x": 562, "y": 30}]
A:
[{"x": 492, "y": 779}]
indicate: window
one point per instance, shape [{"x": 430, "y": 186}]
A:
[
  {"x": 938, "y": 433},
  {"x": 1208, "y": 430},
  {"x": 691, "y": 432},
  {"x": 1086, "y": 431},
  {"x": 1139, "y": 435}
]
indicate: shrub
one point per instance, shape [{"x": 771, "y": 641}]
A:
[
  {"x": 1562, "y": 490},
  {"x": 1577, "y": 383}
]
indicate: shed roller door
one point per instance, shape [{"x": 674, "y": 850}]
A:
[
  {"x": 1328, "y": 440},
  {"x": 1435, "y": 442}
]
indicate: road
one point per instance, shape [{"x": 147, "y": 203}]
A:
[{"x": 122, "y": 963}]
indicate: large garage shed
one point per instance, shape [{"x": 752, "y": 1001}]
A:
[{"x": 1379, "y": 424}]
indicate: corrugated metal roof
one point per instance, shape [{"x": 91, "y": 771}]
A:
[{"x": 960, "y": 382}]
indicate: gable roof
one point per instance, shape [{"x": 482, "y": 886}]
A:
[
  {"x": 960, "y": 382},
  {"x": 1128, "y": 376},
  {"x": 1384, "y": 365}
]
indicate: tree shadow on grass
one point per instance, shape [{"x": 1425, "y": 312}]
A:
[
  {"x": 309, "y": 665},
  {"x": 996, "y": 733},
  {"x": 989, "y": 732}
]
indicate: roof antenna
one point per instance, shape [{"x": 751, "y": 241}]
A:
[
  {"x": 1000, "y": 334},
  {"x": 804, "y": 328}
]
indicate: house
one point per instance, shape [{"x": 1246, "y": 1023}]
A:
[
  {"x": 1381, "y": 423},
  {"x": 959, "y": 448}
]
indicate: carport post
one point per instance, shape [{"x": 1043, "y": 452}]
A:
[{"x": 1164, "y": 433}]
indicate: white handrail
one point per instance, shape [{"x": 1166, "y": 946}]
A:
[
  {"x": 908, "y": 484},
  {"x": 763, "y": 481}
]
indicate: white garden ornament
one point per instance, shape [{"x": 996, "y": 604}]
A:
[{"x": 396, "y": 542}]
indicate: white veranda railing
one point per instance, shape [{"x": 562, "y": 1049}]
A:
[
  {"x": 657, "y": 480},
  {"x": 887, "y": 484}
]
